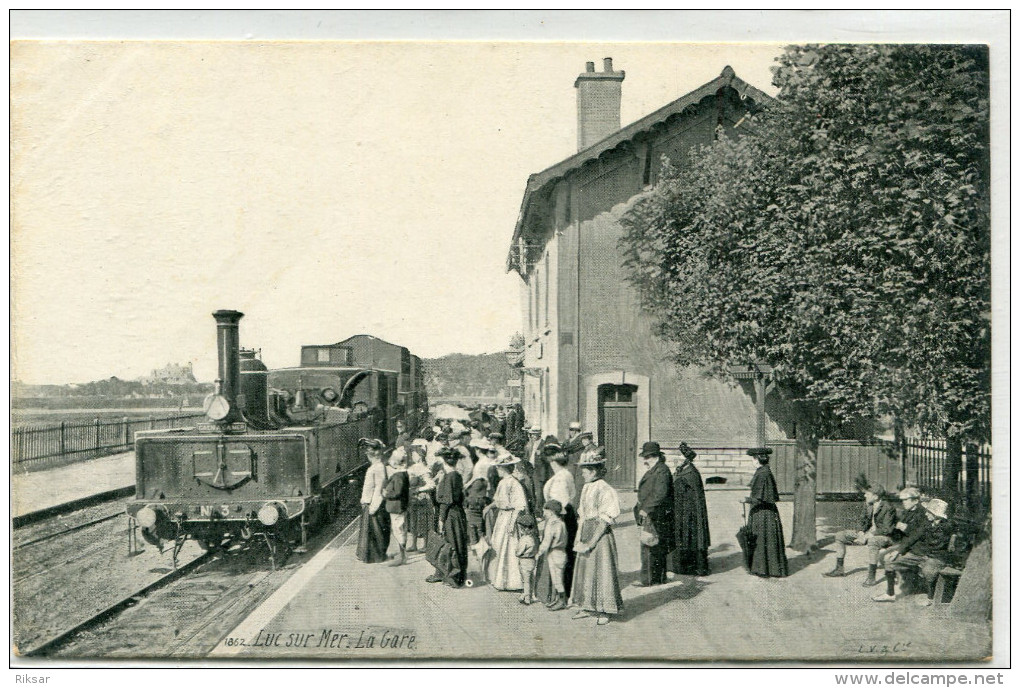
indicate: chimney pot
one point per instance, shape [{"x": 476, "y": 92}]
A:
[{"x": 598, "y": 103}]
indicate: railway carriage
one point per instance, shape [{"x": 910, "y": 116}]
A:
[{"x": 278, "y": 451}]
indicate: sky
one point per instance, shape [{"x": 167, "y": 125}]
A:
[{"x": 324, "y": 189}]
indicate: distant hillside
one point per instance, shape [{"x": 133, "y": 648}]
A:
[{"x": 456, "y": 375}]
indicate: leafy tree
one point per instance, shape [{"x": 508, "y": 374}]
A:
[{"x": 846, "y": 243}]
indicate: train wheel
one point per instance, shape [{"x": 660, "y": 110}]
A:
[{"x": 212, "y": 543}]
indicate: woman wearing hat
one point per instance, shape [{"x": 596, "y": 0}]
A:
[
  {"x": 508, "y": 501},
  {"x": 691, "y": 513},
  {"x": 560, "y": 489},
  {"x": 768, "y": 559},
  {"x": 421, "y": 512},
  {"x": 374, "y": 533},
  {"x": 589, "y": 450},
  {"x": 596, "y": 587},
  {"x": 451, "y": 566}
]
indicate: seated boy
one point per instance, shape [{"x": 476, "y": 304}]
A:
[{"x": 877, "y": 529}]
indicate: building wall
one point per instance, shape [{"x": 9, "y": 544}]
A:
[
  {"x": 541, "y": 356},
  {"x": 605, "y": 337}
]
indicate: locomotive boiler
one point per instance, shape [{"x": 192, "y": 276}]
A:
[{"x": 278, "y": 451}]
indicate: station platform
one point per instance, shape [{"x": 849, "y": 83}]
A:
[
  {"x": 44, "y": 489},
  {"x": 336, "y": 608}
]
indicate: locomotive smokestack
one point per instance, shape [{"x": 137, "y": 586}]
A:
[{"x": 229, "y": 357}]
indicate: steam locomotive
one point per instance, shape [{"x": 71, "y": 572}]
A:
[{"x": 278, "y": 450}]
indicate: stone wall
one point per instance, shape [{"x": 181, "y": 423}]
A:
[{"x": 734, "y": 465}]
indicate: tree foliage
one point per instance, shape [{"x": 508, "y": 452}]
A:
[{"x": 846, "y": 242}]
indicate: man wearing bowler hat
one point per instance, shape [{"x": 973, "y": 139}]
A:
[{"x": 654, "y": 515}]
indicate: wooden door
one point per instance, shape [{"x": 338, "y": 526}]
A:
[{"x": 618, "y": 434}]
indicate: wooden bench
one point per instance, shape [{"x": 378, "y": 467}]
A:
[{"x": 945, "y": 584}]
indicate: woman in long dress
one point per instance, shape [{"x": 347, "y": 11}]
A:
[
  {"x": 690, "y": 512},
  {"x": 421, "y": 512},
  {"x": 509, "y": 501},
  {"x": 559, "y": 486},
  {"x": 451, "y": 564},
  {"x": 374, "y": 533},
  {"x": 596, "y": 588},
  {"x": 768, "y": 559}
]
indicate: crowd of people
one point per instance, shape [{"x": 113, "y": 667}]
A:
[
  {"x": 538, "y": 518},
  {"x": 526, "y": 514}
]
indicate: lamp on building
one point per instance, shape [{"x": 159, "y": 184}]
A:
[{"x": 756, "y": 371}]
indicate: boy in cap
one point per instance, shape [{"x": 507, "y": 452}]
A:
[
  {"x": 876, "y": 529},
  {"x": 554, "y": 549},
  {"x": 527, "y": 550}
]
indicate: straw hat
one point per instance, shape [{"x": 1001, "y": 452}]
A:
[
  {"x": 595, "y": 458},
  {"x": 937, "y": 508}
]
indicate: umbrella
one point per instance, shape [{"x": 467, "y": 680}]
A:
[
  {"x": 747, "y": 540},
  {"x": 451, "y": 412}
]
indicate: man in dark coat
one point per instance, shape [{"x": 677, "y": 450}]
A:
[
  {"x": 534, "y": 455},
  {"x": 691, "y": 518},
  {"x": 654, "y": 513}
]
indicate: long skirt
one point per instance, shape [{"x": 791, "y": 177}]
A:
[
  {"x": 452, "y": 560},
  {"x": 544, "y": 590},
  {"x": 504, "y": 572},
  {"x": 596, "y": 580},
  {"x": 690, "y": 562},
  {"x": 769, "y": 555},
  {"x": 373, "y": 536},
  {"x": 421, "y": 517}
]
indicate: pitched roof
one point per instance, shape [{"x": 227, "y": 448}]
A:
[{"x": 537, "y": 181}]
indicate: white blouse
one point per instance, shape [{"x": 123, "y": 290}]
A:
[
  {"x": 561, "y": 488},
  {"x": 420, "y": 470},
  {"x": 371, "y": 491},
  {"x": 598, "y": 500},
  {"x": 510, "y": 495}
]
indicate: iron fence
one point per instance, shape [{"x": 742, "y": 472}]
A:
[
  {"x": 35, "y": 447},
  {"x": 925, "y": 461}
]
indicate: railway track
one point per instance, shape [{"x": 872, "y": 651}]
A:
[
  {"x": 70, "y": 565},
  {"x": 185, "y": 613},
  {"x": 66, "y": 531},
  {"x": 19, "y": 522}
]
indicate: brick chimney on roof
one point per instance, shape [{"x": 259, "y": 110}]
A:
[{"x": 598, "y": 103}]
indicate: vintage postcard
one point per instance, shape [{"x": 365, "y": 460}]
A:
[{"x": 368, "y": 350}]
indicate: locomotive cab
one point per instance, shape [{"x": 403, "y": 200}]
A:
[{"x": 278, "y": 451}]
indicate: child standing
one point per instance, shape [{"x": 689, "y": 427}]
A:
[
  {"x": 527, "y": 549},
  {"x": 554, "y": 548}
]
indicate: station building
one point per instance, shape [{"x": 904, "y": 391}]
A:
[{"x": 590, "y": 351}]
